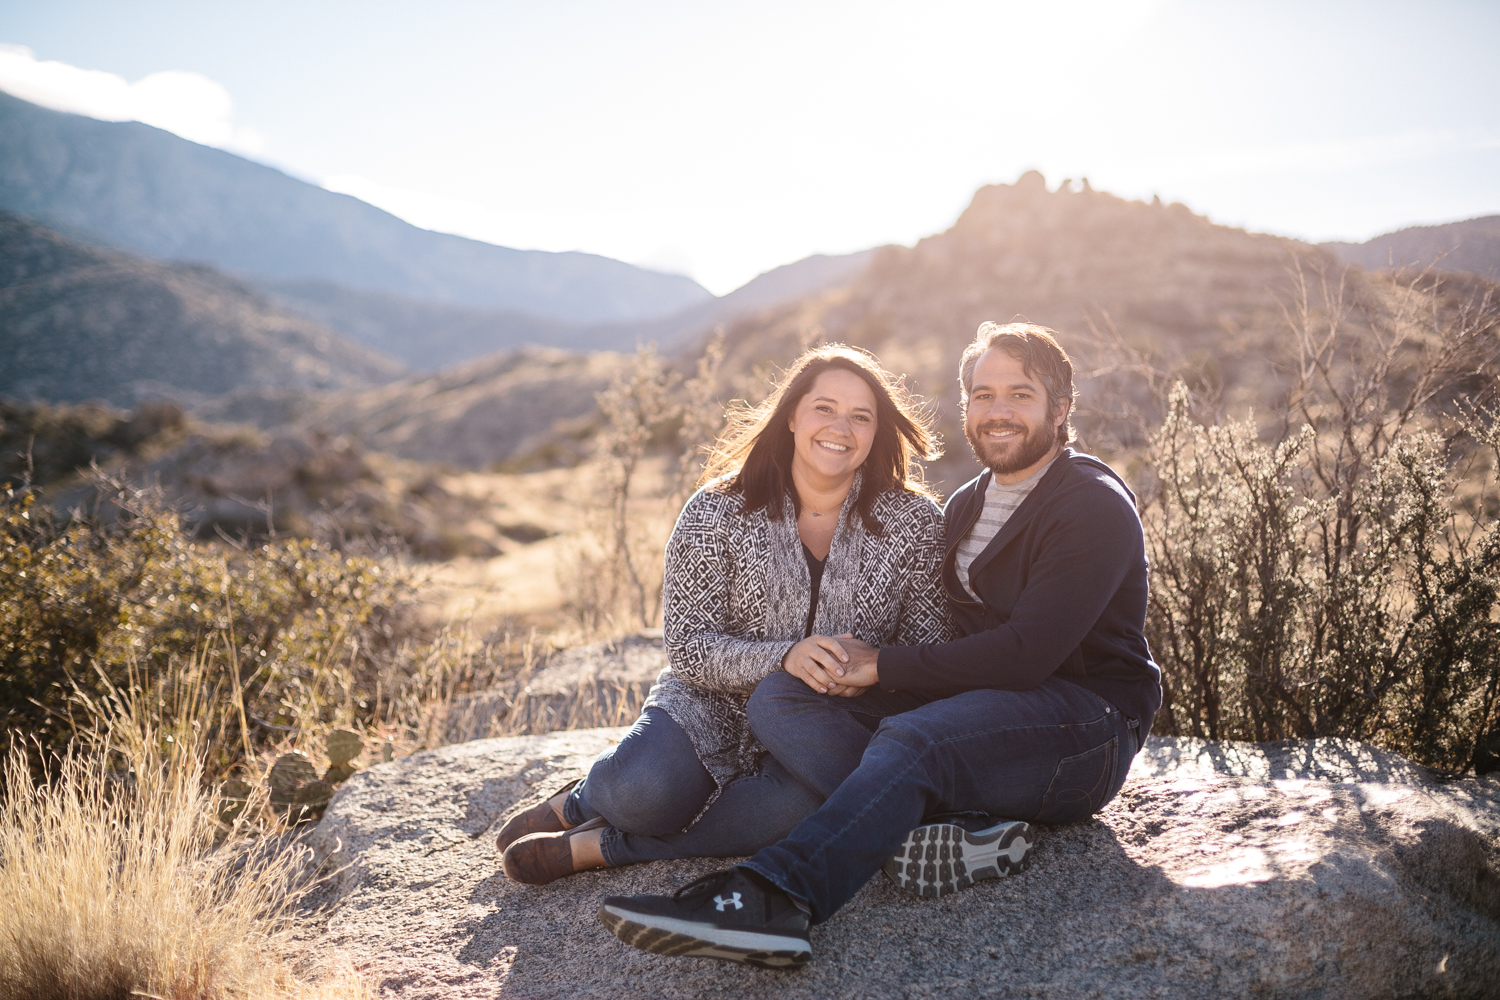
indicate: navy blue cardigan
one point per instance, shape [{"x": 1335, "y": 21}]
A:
[{"x": 1063, "y": 587}]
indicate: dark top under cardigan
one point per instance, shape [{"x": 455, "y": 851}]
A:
[{"x": 1063, "y": 591}]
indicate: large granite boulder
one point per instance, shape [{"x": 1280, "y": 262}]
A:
[{"x": 1320, "y": 869}]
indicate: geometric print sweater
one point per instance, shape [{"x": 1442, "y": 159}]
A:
[{"x": 735, "y": 594}]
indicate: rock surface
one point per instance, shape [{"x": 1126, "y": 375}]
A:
[
  {"x": 1314, "y": 869},
  {"x": 605, "y": 680}
]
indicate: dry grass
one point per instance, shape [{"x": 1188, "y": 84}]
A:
[{"x": 113, "y": 885}]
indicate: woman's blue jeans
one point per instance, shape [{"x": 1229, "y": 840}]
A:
[
  {"x": 889, "y": 760},
  {"x": 650, "y": 785}
]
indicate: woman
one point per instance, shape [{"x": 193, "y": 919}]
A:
[{"x": 814, "y": 523}]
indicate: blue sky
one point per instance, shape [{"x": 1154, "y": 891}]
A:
[{"x": 721, "y": 140}]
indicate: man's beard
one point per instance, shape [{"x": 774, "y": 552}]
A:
[{"x": 1003, "y": 459}]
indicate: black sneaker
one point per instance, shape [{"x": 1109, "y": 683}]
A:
[
  {"x": 730, "y": 915},
  {"x": 939, "y": 859}
]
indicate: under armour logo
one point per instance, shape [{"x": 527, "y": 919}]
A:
[{"x": 734, "y": 900}]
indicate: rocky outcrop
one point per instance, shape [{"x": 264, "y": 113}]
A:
[{"x": 1317, "y": 869}]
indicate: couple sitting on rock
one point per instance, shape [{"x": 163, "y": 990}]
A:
[{"x": 859, "y": 681}]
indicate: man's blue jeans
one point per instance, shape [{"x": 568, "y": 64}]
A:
[
  {"x": 1053, "y": 754},
  {"x": 650, "y": 785}
]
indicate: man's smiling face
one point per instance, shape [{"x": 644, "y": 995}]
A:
[{"x": 1008, "y": 422}]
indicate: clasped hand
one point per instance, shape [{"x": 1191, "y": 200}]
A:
[{"x": 841, "y": 665}]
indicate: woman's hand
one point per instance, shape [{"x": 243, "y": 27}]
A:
[{"x": 818, "y": 661}]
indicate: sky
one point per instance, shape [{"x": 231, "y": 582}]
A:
[{"x": 720, "y": 140}]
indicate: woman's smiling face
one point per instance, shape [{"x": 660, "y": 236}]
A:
[{"x": 833, "y": 426}]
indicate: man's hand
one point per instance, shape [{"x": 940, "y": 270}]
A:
[{"x": 860, "y": 671}]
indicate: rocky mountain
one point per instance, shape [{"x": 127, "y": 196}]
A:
[
  {"x": 1472, "y": 245},
  {"x": 145, "y": 190},
  {"x": 1173, "y": 285},
  {"x": 80, "y": 322},
  {"x": 431, "y": 335}
]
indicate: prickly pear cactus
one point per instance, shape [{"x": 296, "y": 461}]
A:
[
  {"x": 290, "y": 772},
  {"x": 311, "y": 799},
  {"x": 339, "y": 773},
  {"x": 343, "y": 746}
]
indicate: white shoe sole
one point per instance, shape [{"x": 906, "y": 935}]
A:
[
  {"x": 939, "y": 859},
  {"x": 687, "y": 939}
]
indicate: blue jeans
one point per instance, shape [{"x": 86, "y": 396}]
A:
[
  {"x": 650, "y": 785},
  {"x": 1054, "y": 754}
]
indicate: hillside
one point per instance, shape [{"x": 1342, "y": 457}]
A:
[
  {"x": 531, "y": 407},
  {"x": 80, "y": 322},
  {"x": 425, "y": 335},
  {"x": 1173, "y": 284},
  {"x": 1472, "y": 246},
  {"x": 148, "y": 191},
  {"x": 431, "y": 335}
]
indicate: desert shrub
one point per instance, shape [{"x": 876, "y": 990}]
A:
[
  {"x": 291, "y": 632},
  {"x": 1335, "y": 572}
]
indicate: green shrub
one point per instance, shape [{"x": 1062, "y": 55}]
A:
[{"x": 297, "y": 634}]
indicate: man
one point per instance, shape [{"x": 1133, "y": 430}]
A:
[{"x": 1032, "y": 716}]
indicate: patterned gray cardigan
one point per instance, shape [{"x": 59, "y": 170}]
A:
[{"x": 735, "y": 599}]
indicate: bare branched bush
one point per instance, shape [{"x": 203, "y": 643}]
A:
[
  {"x": 702, "y": 419},
  {"x": 656, "y": 422},
  {"x": 635, "y": 407},
  {"x": 1336, "y": 573}
]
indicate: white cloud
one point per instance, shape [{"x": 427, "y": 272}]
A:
[{"x": 187, "y": 104}]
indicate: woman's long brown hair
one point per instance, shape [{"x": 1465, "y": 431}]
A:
[{"x": 757, "y": 445}]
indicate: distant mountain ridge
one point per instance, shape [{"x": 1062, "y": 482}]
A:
[
  {"x": 777, "y": 287},
  {"x": 432, "y": 335},
  {"x": 81, "y": 322},
  {"x": 147, "y": 191},
  {"x": 1472, "y": 245}
]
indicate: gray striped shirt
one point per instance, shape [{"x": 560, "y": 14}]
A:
[{"x": 1000, "y": 502}]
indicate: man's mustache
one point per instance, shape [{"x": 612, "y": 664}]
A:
[{"x": 1000, "y": 425}]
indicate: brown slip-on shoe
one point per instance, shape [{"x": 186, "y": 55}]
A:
[
  {"x": 540, "y": 818},
  {"x": 544, "y": 857}
]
